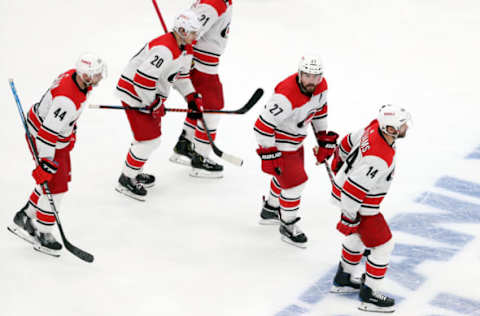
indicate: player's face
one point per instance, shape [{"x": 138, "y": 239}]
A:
[
  {"x": 93, "y": 80},
  {"x": 190, "y": 37},
  {"x": 310, "y": 81},
  {"x": 403, "y": 131}
]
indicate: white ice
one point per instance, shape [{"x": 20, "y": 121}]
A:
[{"x": 195, "y": 248}]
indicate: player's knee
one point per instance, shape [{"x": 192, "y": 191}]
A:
[{"x": 382, "y": 253}]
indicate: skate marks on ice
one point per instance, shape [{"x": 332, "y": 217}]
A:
[{"x": 408, "y": 257}]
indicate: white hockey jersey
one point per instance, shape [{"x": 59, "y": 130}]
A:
[
  {"x": 52, "y": 120},
  {"x": 158, "y": 66},
  {"x": 367, "y": 172},
  {"x": 215, "y": 16},
  {"x": 285, "y": 121}
]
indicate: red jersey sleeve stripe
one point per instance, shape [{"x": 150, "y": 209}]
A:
[
  {"x": 354, "y": 191},
  {"x": 261, "y": 126},
  {"x": 345, "y": 145},
  {"x": 144, "y": 82},
  {"x": 47, "y": 136},
  {"x": 205, "y": 58}
]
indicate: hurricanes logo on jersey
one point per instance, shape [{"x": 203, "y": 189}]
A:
[
  {"x": 173, "y": 77},
  {"x": 225, "y": 31}
]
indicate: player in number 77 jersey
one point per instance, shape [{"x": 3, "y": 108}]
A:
[
  {"x": 298, "y": 101},
  {"x": 52, "y": 122},
  {"x": 364, "y": 164}
]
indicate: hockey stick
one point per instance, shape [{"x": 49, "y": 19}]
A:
[
  {"x": 244, "y": 109},
  {"x": 255, "y": 97},
  {"x": 227, "y": 157},
  {"x": 329, "y": 171},
  {"x": 85, "y": 256},
  {"x": 160, "y": 16}
]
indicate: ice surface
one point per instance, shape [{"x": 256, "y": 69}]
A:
[{"x": 195, "y": 248}]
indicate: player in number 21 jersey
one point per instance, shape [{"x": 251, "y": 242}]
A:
[{"x": 193, "y": 147}]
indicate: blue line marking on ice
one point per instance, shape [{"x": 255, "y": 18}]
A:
[
  {"x": 292, "y": 310},
  {"x": 451, "y": 210},
  {"x": 475, "y": 154},
  {"x": 319, "y": 289},
  {"x": 422, "y": 224},
  {"x": 459, "y": 186},
  {"x": 457, "y": 304},
  {"x": 404, "y": 272}
]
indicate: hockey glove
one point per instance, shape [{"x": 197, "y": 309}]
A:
[
  {"x": 45, "y": 170},
  {"x": 156, "y": 108},
  {"x": 337, "y": 162},
  {"x": 326, "y": 145},
  {"x": 347, "y": 225},
  {"x": 195, "y": 103},
  {"x": 271, "y": 160}
]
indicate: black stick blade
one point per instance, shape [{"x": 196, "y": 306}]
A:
[
  {"x": 85, "y": 256},
  {"x": 253, "y": 100}
]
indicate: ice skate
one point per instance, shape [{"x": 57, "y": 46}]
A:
[
  {"x": 343, "y": 283},
  {"x": 183, "y": 151},
  {"x": 131, "y": 188},
  {"x": 148, "y": 180},
  {"x": 269, "y": 214},
  {"x": 205, "y": 168},
  {"x": 47, "y": 244},
  {"x": 371, "y": 301},
  {"x": 23, "y": 226},
  {"x": 292, "y": 234}
]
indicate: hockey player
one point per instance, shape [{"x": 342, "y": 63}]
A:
[
  {"x": 298, "y": 100},
  {"x": 193, "y": 148},
  {"x": 364, "y": 165},
  {"x": 145, "y": 83},
  {"x": 52, "y": 125}
]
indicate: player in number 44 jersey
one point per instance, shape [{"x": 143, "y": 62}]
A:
[
  {"x": 52, "y": 122},
  {"x": 298, "y": 102}
]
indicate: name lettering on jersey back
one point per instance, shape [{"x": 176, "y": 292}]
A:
[{"x": 364, "y": 141}]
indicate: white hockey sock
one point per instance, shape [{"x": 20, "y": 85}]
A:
[
  {"x": 274, "y": 194},
  {"x": 352, "y": 253},
  {"x": 377, "y": 264},
  {"x": 290, "y": 202},
  {"x": 138, "y": 155},
  {"x": 189, "y": 127},
  {"x": 201, "y": 141},
  {"x": 45, "y": 216}
]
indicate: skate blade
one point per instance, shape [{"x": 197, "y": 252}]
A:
[
  {"x": 179, "y": 159},
  {"x": 343, "y": 289},
  {"x": 21, "y": 233},
  {"x": 369, "y": 307},
  {"x": 296, "y": 244},
  {"x": 125, "y": 192},
  {"x": 44, "y": 250},
  {"x": 200, "y": 173},
  {"x": 269, "y": 222}
]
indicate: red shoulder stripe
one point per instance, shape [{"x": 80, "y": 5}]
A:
[
  {"x": 218, "y": 5},
  {"x": 167, "y": 40}
]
